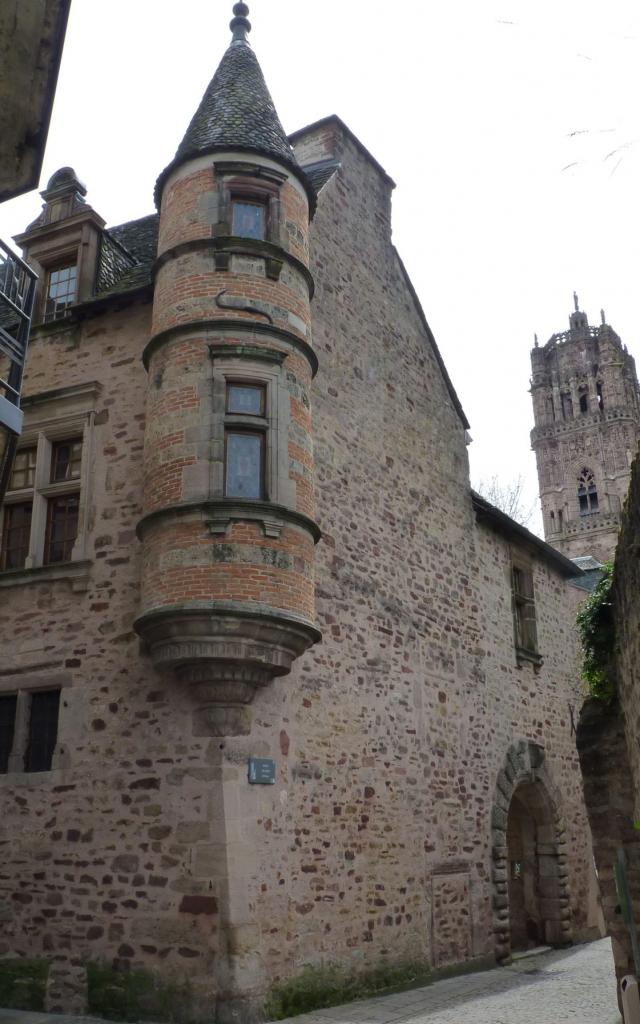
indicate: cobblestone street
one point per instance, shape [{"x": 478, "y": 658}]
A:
[{"x": 571, "y": 985}]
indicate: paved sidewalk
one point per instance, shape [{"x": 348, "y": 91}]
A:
[{"x": 570, "y": 985}]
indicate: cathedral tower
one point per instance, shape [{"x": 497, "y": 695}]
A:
[
  {"x": 586, "y": 410},
  {"x": 228, "y": 533}
]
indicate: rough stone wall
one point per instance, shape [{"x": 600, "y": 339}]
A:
[
  {"x": 610, "y": 794},
  {"x": 150, "y": 849},
  {"x": 626, "y": 598},
  {"x": 100, "y": 855},
  {"x": 389, "y": 736},
  {"x": 608, "y": 740}
]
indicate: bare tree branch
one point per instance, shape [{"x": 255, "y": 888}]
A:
[{"x": 508, "y": 497}]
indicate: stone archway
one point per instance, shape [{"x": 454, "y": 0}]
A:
[{"x": 526, "y": 818}]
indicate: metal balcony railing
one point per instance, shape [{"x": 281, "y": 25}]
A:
[{"x": 17, "y": 291}]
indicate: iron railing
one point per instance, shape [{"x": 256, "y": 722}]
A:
[{"x": 17, "y": 291}]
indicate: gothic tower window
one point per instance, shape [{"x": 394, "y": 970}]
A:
[
  {"x": 587, "y": 493},
  {"x": 600, "y": 397},
  {"x": 584, "y": 403},
  {"x": 567, "y": 407}
]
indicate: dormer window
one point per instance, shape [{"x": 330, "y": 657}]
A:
[
  {"x": 249, "y": 219},
  {"x": 61, "y": 290}
]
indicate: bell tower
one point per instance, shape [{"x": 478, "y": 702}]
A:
[
  {"x": 228, "y": 532},
  {"x": 586, "y": 408}
]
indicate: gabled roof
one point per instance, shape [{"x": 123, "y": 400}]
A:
[
  {"x": 509, "y": 528},
  {"x": 236, "y": 113}
]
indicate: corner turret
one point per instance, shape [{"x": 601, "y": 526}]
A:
[{"x": 228, "y": 532}]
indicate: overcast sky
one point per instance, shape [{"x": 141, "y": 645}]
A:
[{"x": 510, "y": 126}]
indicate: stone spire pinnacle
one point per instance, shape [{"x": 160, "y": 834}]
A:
[
  {"x": 236, "y": 112},
  {"x": 240, "y": 24},
  {"x": 575, "y": 302}
]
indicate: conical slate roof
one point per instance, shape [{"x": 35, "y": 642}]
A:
[{"x": 236, "y": 112}]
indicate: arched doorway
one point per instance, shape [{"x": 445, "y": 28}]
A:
[{"x": 530, "y": 874}]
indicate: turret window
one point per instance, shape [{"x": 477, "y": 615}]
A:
[
  {"x": 587, "y": 493},
  {"x": 249, "y": 219},
  {"x": 245, "y": 440}
]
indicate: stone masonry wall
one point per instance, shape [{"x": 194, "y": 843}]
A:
[
  {"x": 100, "y": 858},
  {"x": 608, "y": 740},
  {"x": 149, "y": 849},
  {"x": 389, "y": 736},
  {"x": 626, "y": 598}
]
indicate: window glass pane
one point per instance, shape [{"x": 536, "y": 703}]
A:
[
  {"x": 61, "y": 291},
  {"x": 65, "y": 460},
  {"x": 244, "y": 465},
  {"x": 43, "y": 730},
  {"x": 16, "y": 529},
  {"x": 249, "y": 220},
  {"x": 24, "y": 469},
  {"x": 8, "y": 704},
  {"x": 245, "y": 399},
  {"x": 62, "y": 528}
]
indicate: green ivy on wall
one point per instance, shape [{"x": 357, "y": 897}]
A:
[{"x": 596, "y": 627}]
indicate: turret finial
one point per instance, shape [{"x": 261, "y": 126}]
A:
[
  {"x": 575, "y": 301},
  {"x": 535, "y": 340},
  {"x": 602, "y": 317},
  {"x": 240, "y": 24}
]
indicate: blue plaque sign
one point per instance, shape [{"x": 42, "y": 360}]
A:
[{"x": 262, "y": 771}]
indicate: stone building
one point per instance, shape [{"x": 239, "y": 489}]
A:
[
  {"x": 586, "y": 408},
  {"x": 279, "y": 690}
]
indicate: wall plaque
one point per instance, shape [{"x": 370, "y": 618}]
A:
[{"x": 262, "y": 771}]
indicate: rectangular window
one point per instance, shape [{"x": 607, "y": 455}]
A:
[
  {"x": 24, "y": 469},
  {"x": 66, "y": 457},
  {"x": 61, "y": 291},
  {"x": 245, "y": 446},
  {"x": 43, "y": 730},
  {"x": 245, "y": 399},
  {"x": 8, "y": 705},
  {"x": 16, "y": 531},
  {"x": 62, "y": 528},
  {"x": 249, "y": 220},
  {"x": 244, "y": 468},
  {"x": 41, "y": 511},
  {"x": 524, "y": 610}
]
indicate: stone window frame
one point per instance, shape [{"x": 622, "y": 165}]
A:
[
  {"x": 248, "y": 182},
  {"x": 61, "y": 415},
  {"x": 523, "y": 605},
  {"x": 49, "y": 259},
  {"x": 16, "y": 771},
  {"x": 253, "y": 366}
]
